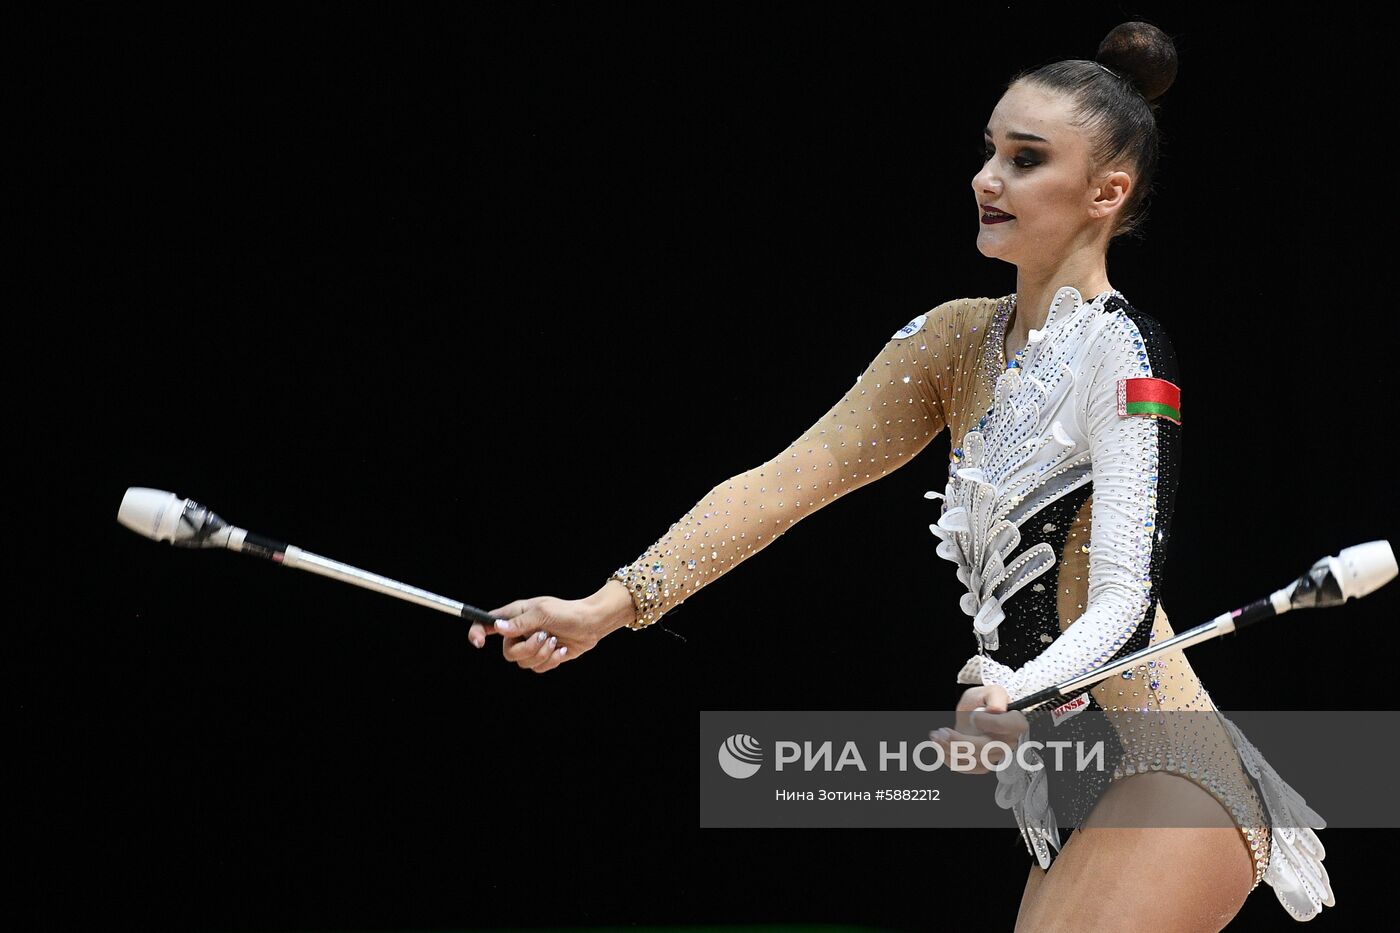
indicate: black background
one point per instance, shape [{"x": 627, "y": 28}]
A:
[{"x": 482, "y": 298}]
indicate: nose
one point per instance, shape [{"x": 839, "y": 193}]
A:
[{"x": 986, "y": 183}]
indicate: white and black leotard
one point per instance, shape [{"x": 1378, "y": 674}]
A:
[{"x": 1056, "y": 510}]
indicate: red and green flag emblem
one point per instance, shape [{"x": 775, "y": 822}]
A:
[{"x": 1157, "y": 398}]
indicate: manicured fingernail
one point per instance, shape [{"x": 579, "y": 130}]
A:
[
  {"x": 563, "y": 651},
  {"x": 540, "y": 636},
  {"x": 502, "y": 624}
]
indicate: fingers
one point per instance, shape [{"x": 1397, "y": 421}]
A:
[
  {"x": 1006, "y": 726},
  {"x": 539, "y": 652},
  {"x": 993, "y": 755},
  {"x": 966, "y": 757},
  {"x": 970, "y": 700},
  {"x": 524, "y": 649},
  {"x": 990, "y": 697},
  {"x": 524, "y": 638},
  {"x": 557, "y": 657},
  {"x": 478, "y": 631},
  {"x": 993, "y": 697},
  {"x": 522, "y": 618},
  {"x": 986, "y": 715}
]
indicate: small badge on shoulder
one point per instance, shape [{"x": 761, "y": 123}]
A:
[
  {"x": 911, "y": 328},
  {"x": 1156, "y": 398}
]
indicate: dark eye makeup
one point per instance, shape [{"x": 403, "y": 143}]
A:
[{"x": 1020, "y": 161}]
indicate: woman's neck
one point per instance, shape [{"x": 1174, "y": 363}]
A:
[{"x": 1035, "y": 292}]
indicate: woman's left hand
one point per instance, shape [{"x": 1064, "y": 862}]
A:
[{"x": 982, "y": 718}]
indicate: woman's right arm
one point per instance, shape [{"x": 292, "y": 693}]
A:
[{"x": 892, "y": 411}]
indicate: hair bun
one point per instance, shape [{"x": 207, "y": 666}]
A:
[{"x": 1142, "y": 54}]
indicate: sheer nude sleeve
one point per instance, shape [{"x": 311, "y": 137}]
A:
[{"x": 891, "y": 413}]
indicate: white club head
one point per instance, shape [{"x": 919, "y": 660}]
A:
[
  {"x": 164, "y": 516},
  {"x": 1364, "y": 568},
  {"x": 151, "y": 513}
]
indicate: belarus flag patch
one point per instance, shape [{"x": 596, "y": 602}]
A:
[{"x": 1157, "y": 398}]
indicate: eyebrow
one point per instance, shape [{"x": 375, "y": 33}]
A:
[{"x": 1029, "y": 137}]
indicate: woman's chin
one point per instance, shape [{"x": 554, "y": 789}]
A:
[{"x": 992, "y": 246}]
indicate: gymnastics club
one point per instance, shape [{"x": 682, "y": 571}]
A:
[
  {"x": 164, "y": 516},
  {"x": 1355, "y": 572}
]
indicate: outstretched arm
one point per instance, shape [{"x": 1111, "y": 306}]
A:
[{"x": 891, "y": 412}]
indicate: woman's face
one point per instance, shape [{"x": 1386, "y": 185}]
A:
[{"x": 1044, "y": 181}]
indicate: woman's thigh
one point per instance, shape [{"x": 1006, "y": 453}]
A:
[
  {"x": 1110, "y": 877},
  {"x": 1033, "y": 880}
]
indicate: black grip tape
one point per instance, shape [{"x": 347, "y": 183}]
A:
[
  {"x": 473, "y": 614},
  {"x": 1256, "y": 611},
  {"x": 259, "y": 546}
]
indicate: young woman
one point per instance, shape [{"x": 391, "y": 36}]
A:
[{"x": 1066, "y": 415}]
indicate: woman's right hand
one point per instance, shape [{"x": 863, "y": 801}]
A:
[
  {"x": 982, "y": 718},
  {"x": 542, "y": 632}
]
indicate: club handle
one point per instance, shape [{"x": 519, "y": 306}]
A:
[
  {"x": 1035, "y": 699},
  {"x": 473, "y": 614}
]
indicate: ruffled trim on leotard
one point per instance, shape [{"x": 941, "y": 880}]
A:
[
  {"x": 1018, "y": 460},
  {"x": 1025, "y": 792},
  {"x": 1295, "y": 871}
]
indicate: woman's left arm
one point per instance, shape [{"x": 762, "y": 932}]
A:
[{"x": 1131, "y": 412}]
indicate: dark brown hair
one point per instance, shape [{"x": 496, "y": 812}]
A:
[{"x": 1118, "y": 112}]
